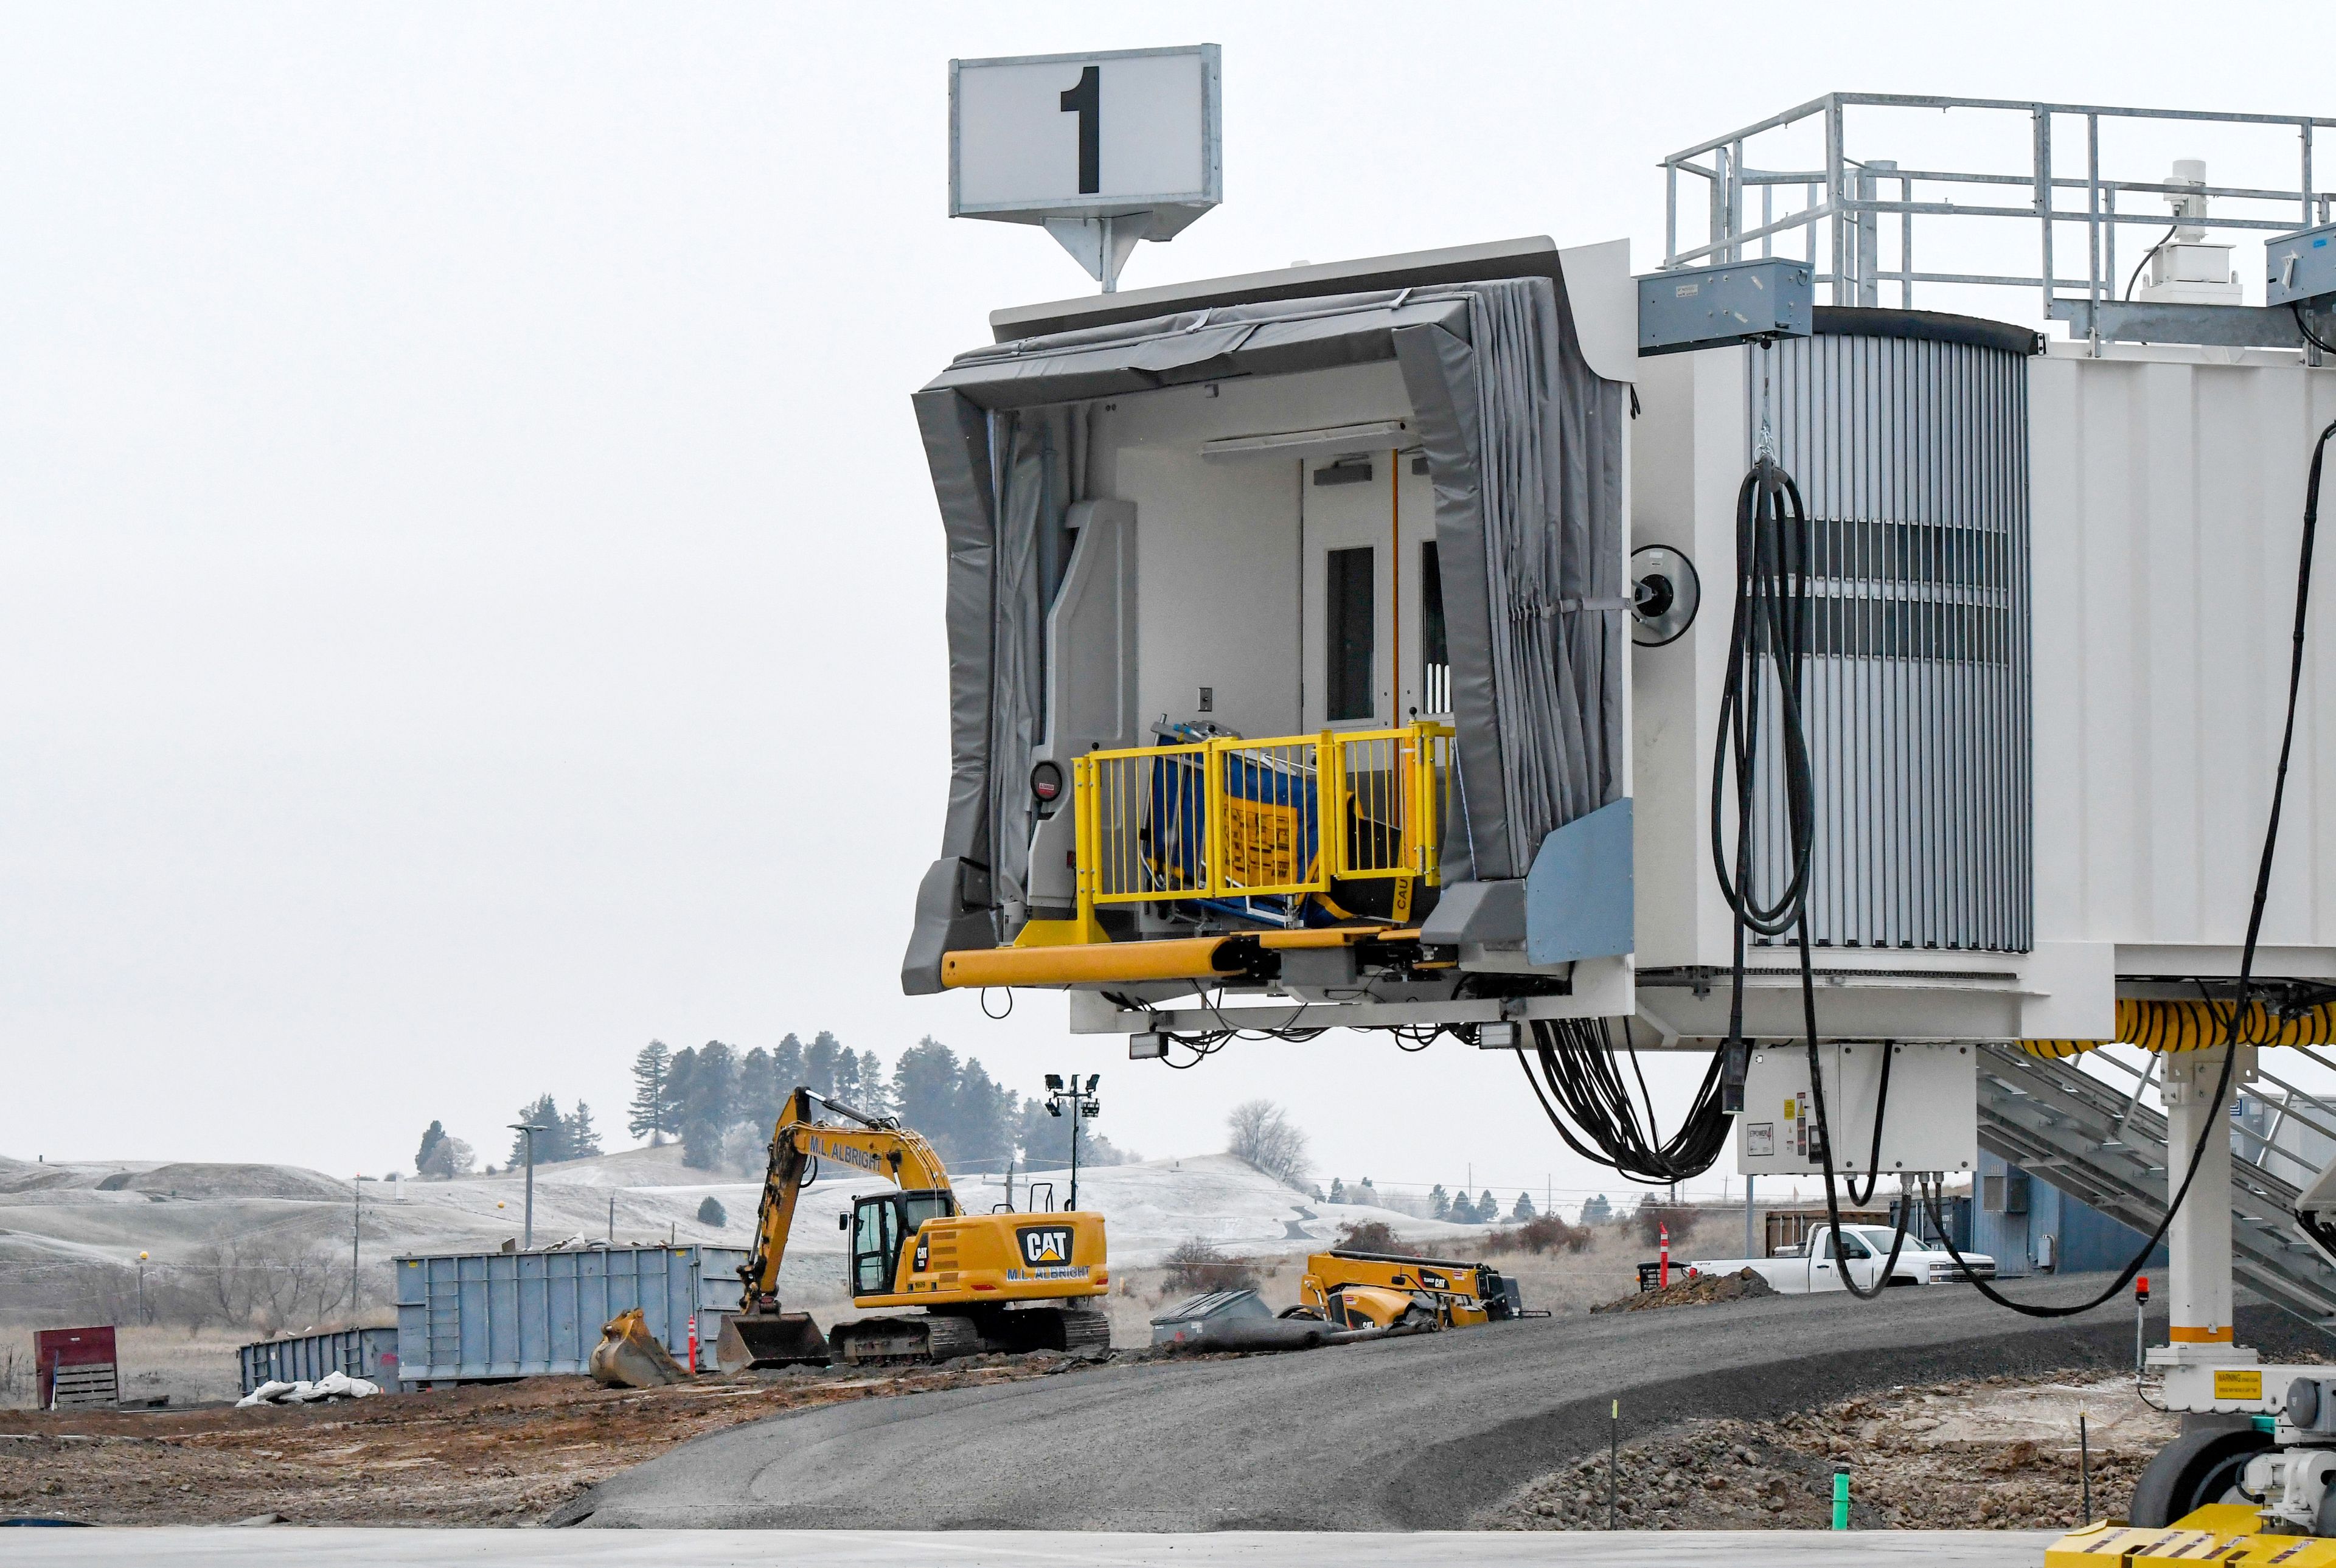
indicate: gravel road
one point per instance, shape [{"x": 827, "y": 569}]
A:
[{"x": 1414, "y": 1434}]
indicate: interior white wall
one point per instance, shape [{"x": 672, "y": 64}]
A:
[{"x": 1217, "y": 542}]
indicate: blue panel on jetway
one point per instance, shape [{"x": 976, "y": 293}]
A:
[{"x": 1579, "y": 900}]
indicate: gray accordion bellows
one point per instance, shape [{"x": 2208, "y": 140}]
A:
[
  {"x": 1524, "y": 444},
  {"x": 1912, "y": 457}
]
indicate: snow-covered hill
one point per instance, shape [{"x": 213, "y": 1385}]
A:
[{"x": 95, "y": 1212}]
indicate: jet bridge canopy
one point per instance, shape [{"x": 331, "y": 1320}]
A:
[{"x": 1376, "y": 656}]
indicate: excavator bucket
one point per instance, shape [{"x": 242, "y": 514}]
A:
[
  {"x": 770, "y": 1339},
  {"x": 629, "y": 1357}
]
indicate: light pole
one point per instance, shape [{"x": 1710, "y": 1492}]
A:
[
  {"x": 1083, "y": 1104},
  {"x": 141, "y": 1287},
  {"x": 528, "y": 1130},
  {"x": 356, "y": 1231}
]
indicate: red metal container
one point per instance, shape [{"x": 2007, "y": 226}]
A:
[{"x": 56, "y": 1349}]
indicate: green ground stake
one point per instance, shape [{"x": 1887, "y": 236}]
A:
[{"x": 1841, "y": 1496}]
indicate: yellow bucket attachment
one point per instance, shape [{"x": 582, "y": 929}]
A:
[
  {"x": 769, "y": 1339},
  {"x": 629, "y": 1357}
]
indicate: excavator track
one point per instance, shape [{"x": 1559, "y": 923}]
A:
[
  {"x": 892, "y": 1341},
  {"x": 944, "y": 1336}
]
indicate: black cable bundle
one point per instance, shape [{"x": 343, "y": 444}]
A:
[{"x": 1585, "y": 1083}]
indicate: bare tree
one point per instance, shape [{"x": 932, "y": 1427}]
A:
[
  {"x": 448, "y": 1157},
  {"x": 1262, "y": 1134},
  {"x": 745, "y": 1149},
  {"x": 270, "y": 1281}
]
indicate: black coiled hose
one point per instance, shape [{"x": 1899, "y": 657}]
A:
[{"x": 1770, "y": 633}]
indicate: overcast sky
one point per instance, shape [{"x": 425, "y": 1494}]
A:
[{"x": 472, "y": 591}]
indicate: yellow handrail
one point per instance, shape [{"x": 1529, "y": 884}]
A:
[{"x": 1283, "y": 817}]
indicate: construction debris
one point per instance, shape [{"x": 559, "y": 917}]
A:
[
  {"x": 1701, "y": 1291},
  {"x": 327, "y": 1390}
]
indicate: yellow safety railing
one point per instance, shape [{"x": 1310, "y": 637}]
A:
[{"x": 1285, "y": 817}]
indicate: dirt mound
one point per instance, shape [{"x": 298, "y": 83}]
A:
[
  {"x": 1701, "y": 1290},
  {"x": 1992, "y": 1455},
  {"x": 227, "y": 1181}
]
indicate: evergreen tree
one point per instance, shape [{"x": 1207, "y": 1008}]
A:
[
  {"x": 651, "y": 1111},
  {"x": 760, "y": 1094},
  {"x": 430, "y": 1137},
  {"x": 583, "y": 1138},
  {"x": 1338, "y": 1191},
  {"x": 787, "y": 1067},
  {"x": 708, "y": 1105},
  {"x": 847, "y": 1080},
  {"x": 1488, "y": 1207},
  {"x": 819, "y": 1064},
  {"x": 878, "y": 1101},
  {"x": 551, "y": 1143},
  {"x": 1597, "y": 1211},
  {"x": 1367, "y": 1195},
  {"x": 1524, "y": 1209},
  {"x": 984, "y": 1133},
  {"x": 678, "y": 1074},
  {"x": 1464, "y": 1212},
  {"x": 711, "y": 1213},
  {"x": 1439, "y": 1203},
  {"x": 924, "y": 1088}
]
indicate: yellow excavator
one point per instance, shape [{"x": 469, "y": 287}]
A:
[
  {"x": 1004, "y": 1281},
  {"x": 1351, "y": 1288}
]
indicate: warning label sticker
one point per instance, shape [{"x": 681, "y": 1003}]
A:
[
  {"x": 1760, "y": 1138},
  {"x": 2239, "y": 1385}
]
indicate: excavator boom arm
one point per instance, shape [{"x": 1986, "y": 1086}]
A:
[{"x": 865, "y": 1143}]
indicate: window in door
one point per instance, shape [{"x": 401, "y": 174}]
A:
[
  {"x": 875, "y": 1247},
  {"x": 1352, "y": 634},
  {"x": 1435, "y": 661}
]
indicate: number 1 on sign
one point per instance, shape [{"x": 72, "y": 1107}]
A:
[{"x": 1085, "y": 100}]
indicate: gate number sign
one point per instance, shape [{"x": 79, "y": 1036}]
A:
[{"x": 1034, "y": 138}]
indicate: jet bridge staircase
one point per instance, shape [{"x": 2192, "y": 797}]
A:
[{"x": 2080, "y": 1124}]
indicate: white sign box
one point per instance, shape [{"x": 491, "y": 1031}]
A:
[
  {"x": 1040, "y": 137},
  {"x": 1930, "y": 1121}
]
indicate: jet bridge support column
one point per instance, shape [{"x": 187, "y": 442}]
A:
[{"x": 2199, "y": 1309}]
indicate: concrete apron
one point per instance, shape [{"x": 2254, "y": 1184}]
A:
[{"x": 191, "y": 1547}]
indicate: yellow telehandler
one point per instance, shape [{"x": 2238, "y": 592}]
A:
[
  {"x": 1350, "y": 1289},
  {"x": 1003, "y": 1280}
]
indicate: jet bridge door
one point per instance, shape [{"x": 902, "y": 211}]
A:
[{"x": 1367, "y": 626}]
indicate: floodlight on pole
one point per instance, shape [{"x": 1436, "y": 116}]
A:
[
  {"x": 1083, "y": 1106},
  {"x": 527, "y": 1131}
]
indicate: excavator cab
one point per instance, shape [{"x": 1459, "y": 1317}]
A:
[{"x": 880, "y": 1227}]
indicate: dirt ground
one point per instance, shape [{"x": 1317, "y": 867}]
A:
[
  {"x": 1992, "y": 1454},
  {"x": 482, "y": 1455}
]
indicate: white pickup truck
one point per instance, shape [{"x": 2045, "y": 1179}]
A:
[{"x": 1797, "y": 1270}]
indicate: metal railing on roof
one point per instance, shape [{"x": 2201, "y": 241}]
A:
[{"x": 1843, "y": 201}]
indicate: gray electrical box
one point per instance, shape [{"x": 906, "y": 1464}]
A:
[
  {"x": 1704, "y": 307},
  {"x": 2303, "y": 265}
]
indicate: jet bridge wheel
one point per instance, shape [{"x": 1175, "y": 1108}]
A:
[{"x": 2194, "y": 1470}]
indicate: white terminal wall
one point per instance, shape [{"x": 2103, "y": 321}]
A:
[{"x": 2166, "y": 498}]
